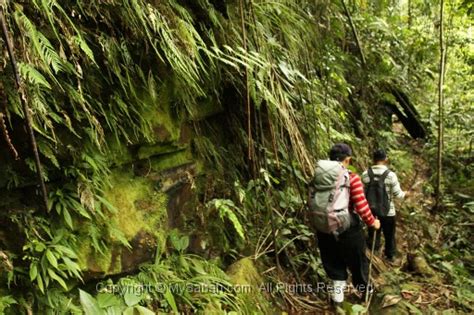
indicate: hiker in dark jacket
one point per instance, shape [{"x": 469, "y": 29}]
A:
[
  {"x": 347, "y": 250},
  {"x": 392, "y": 186}
]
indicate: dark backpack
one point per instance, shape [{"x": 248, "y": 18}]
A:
[{"x": 376, "y": 194}]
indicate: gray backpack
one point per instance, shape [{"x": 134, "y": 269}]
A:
[{"x": 329, "y": 198}]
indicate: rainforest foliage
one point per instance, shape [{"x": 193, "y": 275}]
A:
[{"x": 177, "y": 137}]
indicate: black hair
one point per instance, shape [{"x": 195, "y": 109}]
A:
[
  {"x": 339, "y": 152},
  {"x": 379, "y": 155}
]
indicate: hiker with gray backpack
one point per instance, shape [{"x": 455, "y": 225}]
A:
[
  {"x": 337, "y": 204},
  {"x": 381, "y": 187}
]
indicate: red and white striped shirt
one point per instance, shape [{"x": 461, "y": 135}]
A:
[{"x": 358, "y": 202}]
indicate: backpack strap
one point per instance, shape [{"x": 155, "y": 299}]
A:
[
  {"x": 382, "y": 180},
  {"x": 370, "y": 171},
  {"x": 384, "y": 175}
]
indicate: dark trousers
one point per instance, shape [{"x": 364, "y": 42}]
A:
[
  {"x": 387, "y": 227},
  {"x": 345, "y": 252}
]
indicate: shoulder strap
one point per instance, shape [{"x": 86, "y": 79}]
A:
[
  {"x": 371, "y": 174},
  {"x": 384, "y": 175}
]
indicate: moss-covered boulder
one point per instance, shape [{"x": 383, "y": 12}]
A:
[
  {"x": 248, "y": 284},
  {"x": 139, "y": 215}
]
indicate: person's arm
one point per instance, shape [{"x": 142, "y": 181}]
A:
[
  {"x": 397, "y": 191},
  {"x": 361, "y": 206}
]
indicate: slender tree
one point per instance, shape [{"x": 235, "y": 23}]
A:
[
  {"x": 26, "y": 110},
  {"x": 354, "y": 32},
  {"x": 442, "y": 62},
  {"x": 409, "y": 14}
]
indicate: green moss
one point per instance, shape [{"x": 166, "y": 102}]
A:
[
  {"x": 244, "y": 275},
  {"x": 139, "y": 208},
  {"x": 147, "y": 151},
  {"x": 244, "y": 272},
  {"x": 119, "y": 153},
  {"x": 115, "y": 265},
  {"x": 164, "y": 125},
  {"x": 205, "y": 109},
  {"x": 171, "y": 160}
]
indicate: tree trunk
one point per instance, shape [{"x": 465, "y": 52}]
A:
[
  {"x": 409, "y": 14},
  {"x": 354, "y": 32},
  {"x": 442, "y": 63},
  {"x": 27, "y": 111}
]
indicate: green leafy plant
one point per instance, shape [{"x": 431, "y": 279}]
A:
[
  {"x": 51, "y": 261},
  {"x": 227, "y": 210},
  {"x": 6, "y": 302}
]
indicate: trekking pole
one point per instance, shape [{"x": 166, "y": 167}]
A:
[{"x": 370, "y": 268}]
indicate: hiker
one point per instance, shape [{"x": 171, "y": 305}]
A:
[
  {"x": 337, "y": 203},
  {"x": 381, "y": 186}
]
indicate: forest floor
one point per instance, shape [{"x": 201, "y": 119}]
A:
[{"x": 427, "y": 276}]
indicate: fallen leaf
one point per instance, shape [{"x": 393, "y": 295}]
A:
[{"x": 389, "y": 300}]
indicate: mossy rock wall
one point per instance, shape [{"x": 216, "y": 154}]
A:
[{"x": 150, "y": 189}]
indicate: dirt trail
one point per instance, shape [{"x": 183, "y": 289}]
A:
[{"x": 410, "y": 283}]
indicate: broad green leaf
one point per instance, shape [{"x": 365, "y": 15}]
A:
[
  {"x": 67, "y": 218},
  {"x": 51, "y": 258},
  {"x": 171, "y": 301},
  {"x": 66, "y": 250},
  {"x": 105, "y": 300},
  {"x": 40, "y": 283},
  {"x": 129, "y": 311},
  {"x": 54, "y": 276},
  {"x": 72, "y": 267},
  {"x": 143, "y": 311},
  {"x": 131, "y": 299},
  {"x": 33, "y": 271},
  {"x": 183, "y": 242},
  {"x": 40, "y": 247},
  {"x": 89, "y": 304},
  {"x": 114, "y": 310}
]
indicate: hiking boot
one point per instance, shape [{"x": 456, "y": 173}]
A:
[{"x": 337, "y": 294}]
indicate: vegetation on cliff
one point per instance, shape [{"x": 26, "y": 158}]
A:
[{"x": 177, "y": 137}]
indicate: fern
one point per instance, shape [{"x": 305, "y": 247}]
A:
[
  {"x": 226, "y": 210},
  {"x": 33, "y": 76},
  {"x": 6, "y": 302},
  {"x": 44, "y": 50}
]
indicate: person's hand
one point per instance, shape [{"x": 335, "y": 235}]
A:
[
  {"x": 408, "y": 193},
  {"x": 376, "y": 224}
]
